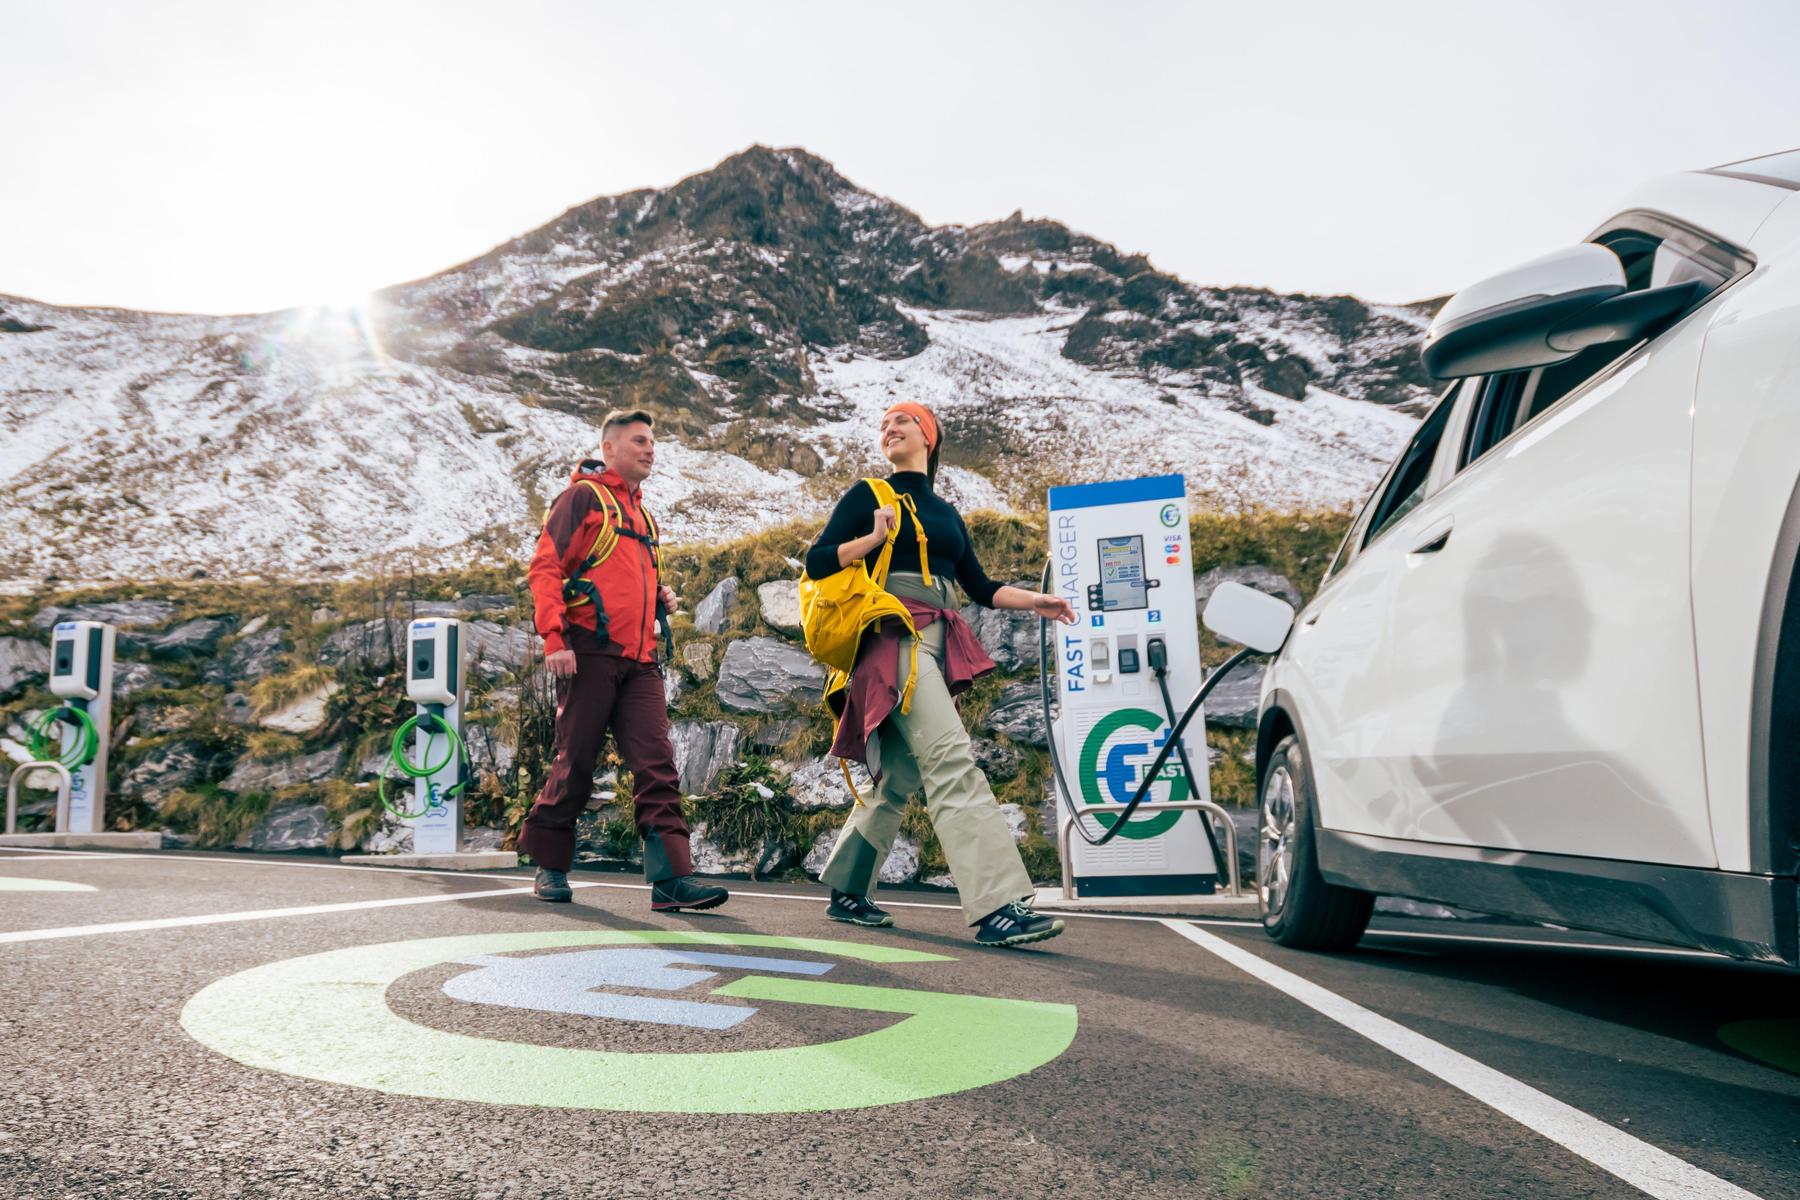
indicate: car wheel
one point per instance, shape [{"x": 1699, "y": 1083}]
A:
[{"x": 1298, "y": 907}]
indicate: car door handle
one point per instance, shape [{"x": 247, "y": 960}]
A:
[{"x": 1436, "y": 537}]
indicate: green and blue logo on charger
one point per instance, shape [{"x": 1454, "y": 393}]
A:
[{"x": 1116, "y": 750}]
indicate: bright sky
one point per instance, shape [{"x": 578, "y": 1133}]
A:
[{"x": 222, "y": 157}]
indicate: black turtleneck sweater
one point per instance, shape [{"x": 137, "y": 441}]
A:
[{"x": 952, "y": 551}]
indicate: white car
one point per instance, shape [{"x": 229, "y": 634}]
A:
[{"x": 1554, "y": 669}]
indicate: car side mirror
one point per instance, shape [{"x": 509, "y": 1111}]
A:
[
  {"x": 1248, "y": 617},
  {"x": 1546, "y": 312}
]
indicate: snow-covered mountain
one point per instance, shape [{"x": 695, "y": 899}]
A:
[{"x": 768, "y": 310}]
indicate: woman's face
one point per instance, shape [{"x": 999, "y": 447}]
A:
[{"x": 902, "y": 439}]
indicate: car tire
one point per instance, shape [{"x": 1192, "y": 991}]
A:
[{"x": 1298, "y": 907}]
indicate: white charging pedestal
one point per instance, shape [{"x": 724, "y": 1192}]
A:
[
  {"x": 437, "y": 682},
  {"x": 81, "y": 677},
  {"x": 1119, "y": 554}
]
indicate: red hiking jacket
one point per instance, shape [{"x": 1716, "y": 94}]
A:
[{"x": 627, "y": 580}]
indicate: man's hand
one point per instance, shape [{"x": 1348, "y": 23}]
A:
[
  {"x": 561, "y": 663},
  {"x": 669, "y": 599}
]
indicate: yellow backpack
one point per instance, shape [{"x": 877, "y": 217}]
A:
[{"x": 837, "y": 610}]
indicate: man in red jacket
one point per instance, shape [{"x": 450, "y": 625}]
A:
[{"x": 595, "y": 579}]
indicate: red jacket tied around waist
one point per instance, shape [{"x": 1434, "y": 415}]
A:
[{"x": 625, "y": 581}]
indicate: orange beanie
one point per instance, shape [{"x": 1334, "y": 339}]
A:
[{"x": 922, "y": 415}]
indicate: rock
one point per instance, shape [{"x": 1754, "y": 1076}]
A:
[
  {"x": 297, "y": 826},
  {"x": 126, "y": 614},
  {"x": 493, "y": 650},
  {"x": 372, "y": 765},
  {"x": 1235, "y": 702},
  {"x": 378, "y": 643},
  {"x": 819, "y": 784},
  {"x": 490, "y": 749},
  {"x": 710, "y": 859},
  {"x": 946, "y": 880},
  {"x": 24, "y": 662},
  {"x": 1259, "y": 577},
  {"x": 901, "y": 865},
  {"x": 254, "y": 625},
  {"x": 266, "y": 775},
  {"x": 304, "y": 715},
  {"x": 995, "y": 760},
  {"x": 483, "y": 837},
  {"x": 324, "y": 616},
  {"x": 712, "y": 613},
  {"x": 673, "y": 686},
  {"x": 131, "y": 678},
  {"x": 1015, "y": 820},
  {"x": 154, "y": 719},
  {"x": 780, "y": 601},
  {"x": 761, "y": 674},
  {"x": 254, "y": 654},
  {"x": 389, "y": 836},
  {"x": 702, "y": 750},
  {"x": 697, "y": 657},
  {"x": 1018, "y": 713},
  {"x": 197, "y": 638},
  {"x": 162, "y": 772},
  {"x": 1009, "y": 636},
  {"x": 769, "y": 735},
  {"x": 237, "y": 709}
]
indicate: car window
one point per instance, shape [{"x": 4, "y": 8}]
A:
[
  {"x": 1406, "y": 486},
  {"x": 1655, "y": 253}
]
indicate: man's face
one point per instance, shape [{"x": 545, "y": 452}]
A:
[{"x": 630, "y": 450}]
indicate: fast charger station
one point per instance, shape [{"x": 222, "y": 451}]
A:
[
  {"x": 1119, "y": 554},
  {"x": 437, "y": 683},
  {"x": 71, "y": 742}
]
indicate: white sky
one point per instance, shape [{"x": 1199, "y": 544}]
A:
[{"x": 247, "y": 155}]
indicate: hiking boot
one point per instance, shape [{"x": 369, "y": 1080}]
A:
[
  {"x": 552, "y": 886},
  {"x": 1015, "y": 925},
  {"x": 856, "y": 910},
  {"x": 685, "y": 891}
]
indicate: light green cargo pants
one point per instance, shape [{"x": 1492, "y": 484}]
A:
[{"x": 929, "y": 748}]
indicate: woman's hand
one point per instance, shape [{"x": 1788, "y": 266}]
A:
[
  {"x": 1052, "y": 608},
  {"x": 868, "y": 543}
]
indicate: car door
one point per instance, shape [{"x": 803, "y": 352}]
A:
[
  {"x": 1541, "y": 658},
  {"x": 1333, "y": 667}
]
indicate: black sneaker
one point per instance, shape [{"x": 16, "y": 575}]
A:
[
  {"x": 1015, "y": 925},
  {"x": 552, "y": 886},
  {"x": 685, "y": 891},
  {"x": 856, "y": 910}
]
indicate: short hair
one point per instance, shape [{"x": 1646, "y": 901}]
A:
[{"x": 620, "y": 416}]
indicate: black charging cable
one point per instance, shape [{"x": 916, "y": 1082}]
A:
[
  {"x": 1157, "y": 652},
  {"x": 1162, "y": 757}
]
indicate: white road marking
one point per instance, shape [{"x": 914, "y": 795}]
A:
[
  {"x": 1645, "y": 1167},
  {"x": 254, "y": 914}
]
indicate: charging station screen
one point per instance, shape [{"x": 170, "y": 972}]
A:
[{"x": 1122, "y": 574}]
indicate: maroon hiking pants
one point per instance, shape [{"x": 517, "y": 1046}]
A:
[{"x": 625, "y": 696}]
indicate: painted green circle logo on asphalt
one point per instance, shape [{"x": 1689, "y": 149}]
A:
[
  {"x": 326, "y": 1017},
  {"x": 1110, "y": 764}
]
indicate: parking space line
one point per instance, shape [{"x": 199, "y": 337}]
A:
[
  {"x": 254, "y": 914},
  {"x": 1645, "y": 1167}
]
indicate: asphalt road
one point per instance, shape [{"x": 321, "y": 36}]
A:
[{"x": 153, "y": 1049}]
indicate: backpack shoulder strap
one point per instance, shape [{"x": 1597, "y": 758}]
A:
[{"x": 903, "y": 506}]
